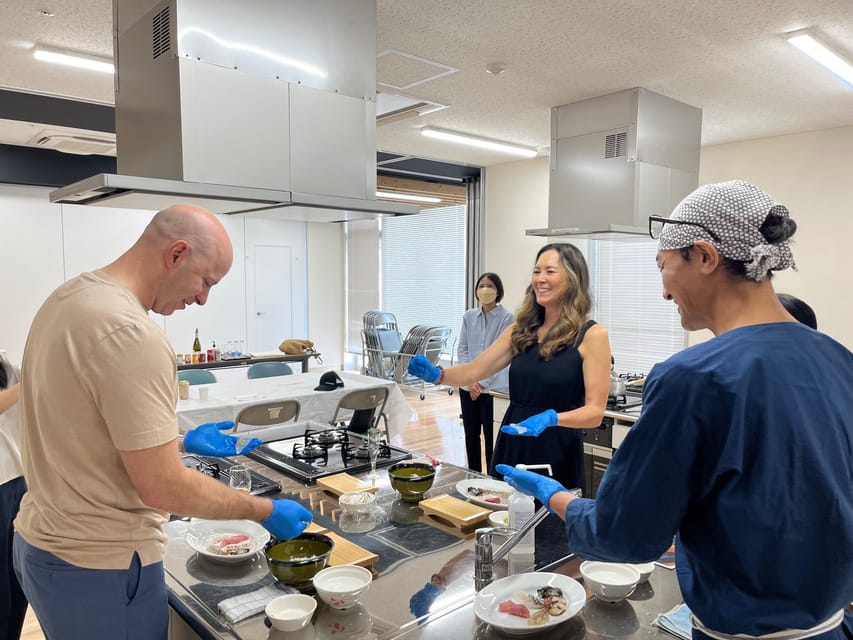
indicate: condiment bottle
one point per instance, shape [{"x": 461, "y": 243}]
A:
[
  {"x": 196, "y": 343},
  {"x": 184, "y": 389}
]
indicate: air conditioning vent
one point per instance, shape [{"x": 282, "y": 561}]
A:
[
  {"x": 82, "y": 145},
  {"x": 615, "y": 145},
  {"x": 160, "y": 43}
]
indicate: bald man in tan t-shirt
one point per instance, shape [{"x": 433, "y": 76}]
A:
[{"x": 100, "y": 438}]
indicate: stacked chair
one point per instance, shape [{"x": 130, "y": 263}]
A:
[
  {"x": 380, "y": 343},
  {"x": 426, "y": 340}
]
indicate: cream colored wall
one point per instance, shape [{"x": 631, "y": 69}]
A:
[
  {"x": 810, "y": 173},
  {"x": 516, "y": 200},
  {"x": 807, "y": 172},
  {"x": 326, "y": 292}
]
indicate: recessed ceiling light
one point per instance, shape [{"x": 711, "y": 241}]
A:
[
  {"x": 820, "y": 52},
  {"x": 476, "y": 141},
  {"x": 46, "y": 14},
  {"x": 73, "y": 59}
]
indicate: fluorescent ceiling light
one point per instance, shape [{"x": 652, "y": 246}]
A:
[
  {"x": 475, "y": 141},
  {"x": 406, "y": 196},
  {"x": 806, "y": 42},
  {"x": 71, "y": 59}
]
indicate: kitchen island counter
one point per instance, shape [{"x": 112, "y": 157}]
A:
[{"x": 411, "y": 548}]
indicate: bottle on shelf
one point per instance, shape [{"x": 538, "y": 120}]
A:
[{"x": 196, "y": 343}]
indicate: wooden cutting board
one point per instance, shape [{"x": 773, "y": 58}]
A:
[
  {"x": 454, "y": 512},
  {"x": 346, "y": 552},
  {"x": 344, "y": 483},
  {"x": 315, "y": 528}
]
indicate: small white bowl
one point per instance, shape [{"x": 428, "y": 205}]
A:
[
  {"x": 610, "y": 581},
  {"x": 499, "y": 518},
  {"x": 340, "y": 587},
  {"x": 357, "y": 501},
  {"x": 291, "y": 612},
  {"x": 645, "y": 570}
]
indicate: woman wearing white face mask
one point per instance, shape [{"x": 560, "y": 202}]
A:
[{"x": 480, "y": 328}]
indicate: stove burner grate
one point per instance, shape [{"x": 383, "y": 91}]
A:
[
  {"x": 326, "y": 437},
  {"x": 313, "y": 453},
  {"x": 352, "y": 451}
]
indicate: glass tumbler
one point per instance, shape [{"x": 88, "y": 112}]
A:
[{"x": 240, "y": 478}]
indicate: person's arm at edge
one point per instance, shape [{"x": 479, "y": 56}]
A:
[
  {"x": 178, "y": 489},
  {"x": 9, "y": 396}
]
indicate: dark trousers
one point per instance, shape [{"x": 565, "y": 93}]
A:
[
  {"x": 13, "y": 603},
  {"x": 74, "y": 603},
  {"x": 477, "y": 415}
]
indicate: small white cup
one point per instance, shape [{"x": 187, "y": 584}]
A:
[{"x": 203, "y": 393}]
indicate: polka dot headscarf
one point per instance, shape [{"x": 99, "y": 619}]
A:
[{"x": 734, "y": 211}]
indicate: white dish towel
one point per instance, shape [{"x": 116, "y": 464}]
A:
[
  {"x": 676, "y": 621},
  {"x": 248, "y": 604}
]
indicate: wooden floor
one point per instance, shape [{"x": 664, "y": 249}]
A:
[{"x": 435, "y": 428}]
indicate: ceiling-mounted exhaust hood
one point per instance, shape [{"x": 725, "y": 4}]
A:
[
  {"x": 243, "y": 107},
  {"x": 616, "y": 160}
]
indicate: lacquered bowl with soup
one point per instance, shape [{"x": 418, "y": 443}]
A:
[{"x": 411, "y": 479}]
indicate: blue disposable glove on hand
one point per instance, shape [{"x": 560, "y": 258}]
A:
[
  {"x": 287, "y": 520},
  {"x": 208, "y": 440},
  {"x": 533, "y": 484},
  {"x": 421, "y": 368},
  {"x": 534, "y": 425}
]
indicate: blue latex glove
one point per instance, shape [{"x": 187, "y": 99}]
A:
[
  {"x": 533, "y": 484},
  {"x": 208, "y": 440},
  {"x": 287, "y": 520},
  {"x": 421, "y": 368},
  {"x": 534, "y": 425}
]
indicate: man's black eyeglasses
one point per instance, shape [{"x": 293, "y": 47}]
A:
[{"x": 656, "y": 224}]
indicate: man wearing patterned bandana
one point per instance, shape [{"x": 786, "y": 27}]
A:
[{"x": 744, "y": 447}]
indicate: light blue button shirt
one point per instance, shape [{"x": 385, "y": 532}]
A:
[{"x": 479, "y": 331}]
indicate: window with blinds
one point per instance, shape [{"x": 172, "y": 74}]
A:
[
  {"x": 423, "y": 268},
  {"x": 644, "y": 328}
]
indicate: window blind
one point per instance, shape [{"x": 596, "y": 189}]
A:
[
  {"x": 644, "y": 328},
  {"x": 423, "y": 268}
]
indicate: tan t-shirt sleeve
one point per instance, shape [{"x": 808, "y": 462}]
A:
[{"x": 133, "y": 379}]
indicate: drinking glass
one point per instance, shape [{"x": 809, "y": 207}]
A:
[
  {"x": 240, "y": 478},
  {"x": 373, "y": 451}
]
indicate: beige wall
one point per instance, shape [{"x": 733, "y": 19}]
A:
[
  {"x": 516, "y": 200},
  {"x": 326, "y": 292},
  {"x": 811, "y": 173}
]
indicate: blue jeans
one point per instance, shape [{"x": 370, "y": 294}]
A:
[{"x": 73, "y": 603}]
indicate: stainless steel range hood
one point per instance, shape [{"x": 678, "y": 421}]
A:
[
  {"x": 244, "y": 106},
  {"x": 616, "y": 160}
]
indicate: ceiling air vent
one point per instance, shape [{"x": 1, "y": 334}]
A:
[
  {"x": 82, "y": 145},
  {"x": 615, "y": 145},
  {"x": 160, "y": 33}
]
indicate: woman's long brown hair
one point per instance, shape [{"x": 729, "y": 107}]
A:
[{"x": 573, "y": 313}]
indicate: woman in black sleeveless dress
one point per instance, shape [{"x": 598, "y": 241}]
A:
[{"x": 560, "y": 362}]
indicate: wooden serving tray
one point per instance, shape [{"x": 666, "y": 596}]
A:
[
  {"x": 454, "y": 512},
  {"x": 344, "y": 483},
  {"x": 346, "y": 552}
]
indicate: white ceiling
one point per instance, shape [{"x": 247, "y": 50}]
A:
[{"x": 728, "y": 58}]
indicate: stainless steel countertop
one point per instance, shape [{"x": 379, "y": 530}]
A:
[{"x": 195, "y": 585}]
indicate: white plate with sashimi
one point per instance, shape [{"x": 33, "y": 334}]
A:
[
  {"x": 226, "y": 541},
  {"x": 485, "y": 492},
  {"x": 529, "y": 602}
]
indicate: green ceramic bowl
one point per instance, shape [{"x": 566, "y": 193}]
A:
[
  {"x": 411, "y": 479},
  {"x": 295, "y": 561}
]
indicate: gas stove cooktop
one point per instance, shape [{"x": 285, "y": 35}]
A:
[{"x": 323, "y": 452}]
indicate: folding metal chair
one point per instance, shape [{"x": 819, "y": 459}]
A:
[
  {"x": 367, "y": 406},
  {"x": 265, "y": 414}
]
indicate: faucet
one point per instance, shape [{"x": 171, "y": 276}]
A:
[{"x": 485, "y": 558}]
